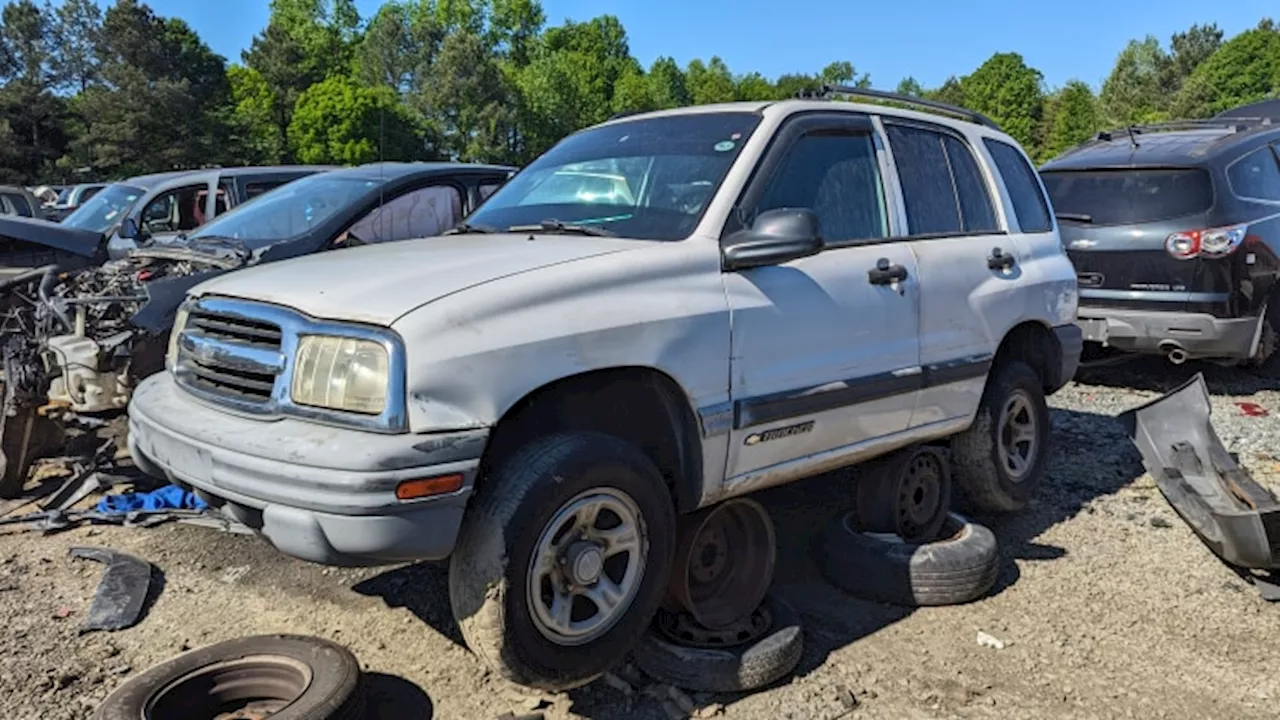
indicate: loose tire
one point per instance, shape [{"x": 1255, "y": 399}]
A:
[
  {"x": 999, "y": 461},
  {"x": 956, "y": 569},
  {"x": 538, "y": 505},
  {"x": 725, "y": 666},
  {"x": 288, "y": 677}
]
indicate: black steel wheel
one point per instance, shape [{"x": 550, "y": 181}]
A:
[
  {"x": 907, "y": 493},
  {"x": 724, "y": 562},
  {"x": 283, "y": 677}
]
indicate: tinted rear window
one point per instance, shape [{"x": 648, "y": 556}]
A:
[{"x": 1124, "y": 197}]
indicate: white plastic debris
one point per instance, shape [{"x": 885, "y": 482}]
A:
[{"x": 991, "y": 641}]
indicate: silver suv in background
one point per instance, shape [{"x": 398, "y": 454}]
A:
[{"x": 660, "y": 314}]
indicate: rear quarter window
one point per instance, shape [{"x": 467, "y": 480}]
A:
[
  {"x": 1256, "y": 176},
  {"x": 1029, "y": 204},
  {"x": 1130, "y": 196}
]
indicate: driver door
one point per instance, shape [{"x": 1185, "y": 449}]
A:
[{"x": 825, "y": 354}]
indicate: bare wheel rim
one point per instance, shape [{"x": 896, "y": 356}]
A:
[
  {"x": 587, "y": 566},
  {"x": 248, "y": 688},
  {"x": 920, "y": 496},
  {"x": 1018, "y": 439},
  {"x": 724, "y": 562}
]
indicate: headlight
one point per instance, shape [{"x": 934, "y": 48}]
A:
[
  {"x": 179, "y": 322},
  {"x": 341, "y": 374}
]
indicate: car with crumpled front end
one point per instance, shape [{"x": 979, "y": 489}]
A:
[{"x": 1173, "y": 230}]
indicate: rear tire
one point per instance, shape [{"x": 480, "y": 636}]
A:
[
  {"x": 532, "y": 539},
  {"x": 999, "y": 462}
]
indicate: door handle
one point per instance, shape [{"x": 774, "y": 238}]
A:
[
  {"x": 1000, "y": 260},
  {"x": 886, "y": 274}
]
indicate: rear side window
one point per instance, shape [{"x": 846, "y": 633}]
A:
[
  {"x": 1129, "y": 196},
  {"x": 254, "y": 189},
  {"x": 1256, "y": 175},
  {"x": 1024, "y": 192},
  {"x": 942, "y": 188}
]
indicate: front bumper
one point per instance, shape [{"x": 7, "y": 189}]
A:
[
  {"x": 318, "y": 493},
  {"x": 1148, "y": 331}
]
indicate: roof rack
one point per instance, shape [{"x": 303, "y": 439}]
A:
[
  {"x": 1234, "y": 124},
  {"x": 826, "y": 92}
]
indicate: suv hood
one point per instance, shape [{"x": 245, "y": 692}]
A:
[
  {"x": 379, "y": 283},
  {"x": 76, "y": 241}
]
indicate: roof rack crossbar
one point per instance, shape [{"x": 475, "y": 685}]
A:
[
  {"x": 828, "y": 91},
  {"x": 1235, "y": 124}
]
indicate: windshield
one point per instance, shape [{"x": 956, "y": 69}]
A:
[
  {"x": 1128, "y": 196},
  {"x": 645, "y": 179},
  {"x": 289, "y": 210},
  {"x": 104, "y": 209}
]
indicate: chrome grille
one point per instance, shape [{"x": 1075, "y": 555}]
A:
[{"x": 230, "y": 355}]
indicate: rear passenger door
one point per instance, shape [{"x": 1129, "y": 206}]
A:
[
  {"x": 824, "y": 350},
  {"x": 966, "y": 304}
]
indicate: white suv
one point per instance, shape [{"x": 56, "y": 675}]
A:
[{"x": 662, "y": 312}]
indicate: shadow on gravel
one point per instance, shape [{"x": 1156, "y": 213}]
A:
[
  {"x": 422, "y": 589},
  {"x": 1154, "y": 374},
  {"x": 389, "y": 697}
]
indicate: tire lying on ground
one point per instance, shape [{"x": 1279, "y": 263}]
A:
[
  {"x": 762, "y": 650},
  {"x": 284, "y": 677},
  {"x": 959, "y": 567}
]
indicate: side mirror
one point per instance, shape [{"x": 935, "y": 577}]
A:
[
  {"x": 776, "y": 236},
  {"x": 129, "y": 229}
]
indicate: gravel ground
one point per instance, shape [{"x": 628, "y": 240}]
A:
[{"x": 1107, "y": 604}]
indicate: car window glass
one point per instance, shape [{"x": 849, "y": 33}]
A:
[
  {"x": 19, "y": 204},
  {"x": 927, "y": 189},
  {"x": 105, "y": 209},
  {"x": 88, "y": 192},
  {"x": 176, "y": 210},
  {"x": 837, "y": 177},
  {"x": 1029, "y": 205},
  {"x": 486, "y": 189},
  {"x": 1256, "y": 175},
  {"x": 254, "y": 189},
  {"x": 420, "y": 213},
  {"x": 976, "y": 212}
]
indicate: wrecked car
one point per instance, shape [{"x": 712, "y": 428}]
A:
[
  {"x": 78, "y": 336},
  {"x": 659, "y": 316}
]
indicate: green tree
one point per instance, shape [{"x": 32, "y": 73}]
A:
[
  {"x": 950, "y": 92},
  {"x": 1008, "y": 91},
  {"x": 755, "y": 86},
  {"x": 667, "y": 84},
  {"x": 254, "y": 120},
  {"x": 1245, "y": 69},
  {"x": 710, "y": 83},
  {"x": 339, "y": 121},
  {"x": 1137, "y": 90},
  {"x": 1190, "y": 48},
  {"x": 31, "y": 116},
  {"x": 75, "y": 36},
  {"x": 468, "y": 104},
  {"x": 400, "y": 42},
  {"x": 1072, "y": 116},
  {"x": 910, "y": 86}
]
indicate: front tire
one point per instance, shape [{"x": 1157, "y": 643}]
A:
[
  {"x": 999, "y": 463},
  {"x": 563, "y": 559}
]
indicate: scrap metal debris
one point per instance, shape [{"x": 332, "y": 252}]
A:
[
  {"x": 1252, "y": 409},
  {"x": 122, "y": 591}
]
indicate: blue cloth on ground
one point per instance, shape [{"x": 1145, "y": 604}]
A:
[{"x": 170, "y": 497}]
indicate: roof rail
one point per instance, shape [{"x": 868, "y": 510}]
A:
[
  {"x": 1234, "y": 124},
  {"x": 828, "y": 91}
]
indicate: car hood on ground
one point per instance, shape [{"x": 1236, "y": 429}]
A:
[
  {"x": 85, "y": 243},
  {"x": 379, "y": 283}
]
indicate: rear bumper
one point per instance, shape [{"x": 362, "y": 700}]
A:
[{"x": 1147, "y": 331}]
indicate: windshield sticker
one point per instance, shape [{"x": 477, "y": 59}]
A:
[{"x": 725, "y": 145}]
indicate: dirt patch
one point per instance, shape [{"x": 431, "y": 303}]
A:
[{"x": 1106, "y": 605}]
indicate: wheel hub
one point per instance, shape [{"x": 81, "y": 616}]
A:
[
  {"x": 585, "y": 561},
  {"x": 1018, "y": 436},
  {"x": 724, "y": 563},
  {"x": 906, "y": 494}
]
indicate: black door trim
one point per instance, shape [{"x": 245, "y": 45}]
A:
[{"x": 764, "y": 409}]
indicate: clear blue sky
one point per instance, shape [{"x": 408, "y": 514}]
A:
[{"x": 889, "y": 39}]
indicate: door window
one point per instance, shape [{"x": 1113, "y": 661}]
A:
[
  {"x": 942, "y": 187},
  {"x": 1028, "y": 201},
  {"x": 419, "y": 213},
  {"x": 256, "y": 188},
  {"x": 19, "y": 203},
  {"x": 487, "y": 189},
  {"x": 838, "y": 178},
  {"x": 176, "y": 210}
]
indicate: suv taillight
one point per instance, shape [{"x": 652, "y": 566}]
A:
[{"x": 1211, "y": 243}]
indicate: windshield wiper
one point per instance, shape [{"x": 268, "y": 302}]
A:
[
  {"x": 1078, "y": 217},
  {"x": 468, "y": 228},
  {"x": 555, "y": 226}
]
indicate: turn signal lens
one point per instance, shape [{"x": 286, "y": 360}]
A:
[
  {"x": 1211, "y": 243},
  {"x": 426, "y": 487}
]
